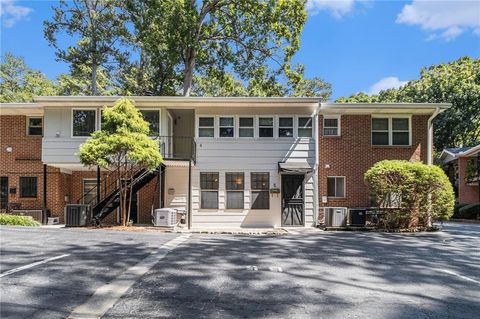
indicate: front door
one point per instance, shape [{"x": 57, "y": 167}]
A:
[
  {"x": 292, "y": 200},
  {"x": 134, "y": 208},
  {"x": 3, "y": 193}
]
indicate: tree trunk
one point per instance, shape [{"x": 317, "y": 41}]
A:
[
  {"x": 188, "y": 73},
  {"x": 94, "y": 78}
]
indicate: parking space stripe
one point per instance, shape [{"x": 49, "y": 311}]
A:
[
  {"x": 457, "y": 275},
  {"x": 107, "y": 295},
  {"x": 14, "y": 270}
]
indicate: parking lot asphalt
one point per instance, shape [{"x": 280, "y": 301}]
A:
[{"x": 307, "y": 275}]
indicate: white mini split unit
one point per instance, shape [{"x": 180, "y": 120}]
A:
[{"x": 164, "y": 217}]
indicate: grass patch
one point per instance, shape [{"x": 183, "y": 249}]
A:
[{"x": 16, "y": 220}]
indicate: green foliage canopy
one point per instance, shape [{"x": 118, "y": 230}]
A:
[{"x": 423, "y": 192}]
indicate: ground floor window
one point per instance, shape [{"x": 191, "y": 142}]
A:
[
  {"x": 336, "y": 186},
  {"x": 260, "y": 184},
  {"x": 209, "y": 190},
  {"x": 234, "y": 183},
  {"x": 89, "y": 191},
  {"x": 28, "y": 187}
]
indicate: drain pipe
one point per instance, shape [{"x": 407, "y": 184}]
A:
[
  {"x": 438, "y": 110},
  {"x": 316, "y": 205}
]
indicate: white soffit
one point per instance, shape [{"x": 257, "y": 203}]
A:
[
  {"x": 381, "y": 108},
  {"x": 29, "y": 109}
]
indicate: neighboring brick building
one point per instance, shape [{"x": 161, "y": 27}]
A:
[{"x": 232, "y": 162}]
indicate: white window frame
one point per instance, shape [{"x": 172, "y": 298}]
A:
[
  {"x": 83, "y": 109},
  {"x": 297, "y": 119},
  {"x": 294, "y": 131},
  {"x": 28, "y": 125},
  {"x": 274, "y": 127},
  {"x": 210, "y": 190},
  {"x": 332, "y": 117},
  {"x": 344, "y": 187},
  {"x": 253, "y": 127},
  {"x": 83, "y": 186},
  {"x": 217, "y": 125},
  {"x": 259, "y": 190},
  {"x": 390, "y": 129},
  {"x": 159, "y": 119},
  {"x": 231, "y": 190},
  {"x": 197, "y": 129}
]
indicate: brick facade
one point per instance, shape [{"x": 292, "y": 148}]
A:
[
  {"x": 466, "y": 193},
  {"x": 352, "y": 154}
]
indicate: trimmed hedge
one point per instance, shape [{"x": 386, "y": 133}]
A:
[
  {"x": 16, "y": 220},
  {"x": 470, "y": 211},
  {"x": 456, "y": 210}
]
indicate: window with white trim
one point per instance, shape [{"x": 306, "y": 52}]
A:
[
  {"x": 391, "y": 131},
  {"x": 265, "y": 127},
  {"x": 206, "y": 126},
  {"x": 245, "y": 126},
  {"x": 305, "y": 127},
  {"x": 153, "y": 119},
  {"x": 335, "y": 186},
  {"x": 234, "y": 183},
  {"x": 260, "y": 185},
  {"x": 35, "y": 126},
  {"x": 83, "y": 122},
  {"x": 226, "y": 126},
  {"x": 285, "y": 127},
  {"x": 331, "y": 126},
  {"x": 209, "y": 190}
]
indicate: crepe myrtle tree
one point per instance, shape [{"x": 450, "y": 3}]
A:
[
  {"x": 123, "y": 146},
  {"x": 412, "y": 194}
]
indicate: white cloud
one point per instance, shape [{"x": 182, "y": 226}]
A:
[
  {"x": 390, "y": 82},
  {"x": 442, "y": 19},
  {"x": 10, "y": 13},
  {"x": 337, "y": 8}
]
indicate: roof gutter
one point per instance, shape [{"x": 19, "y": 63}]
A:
[{"x": 438, "y": 110}]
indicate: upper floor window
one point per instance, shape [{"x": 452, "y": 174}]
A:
[
  {"x": 304, "y": 127},
  {"x": 234, "y": 183},
  {"x": 153, "y": 119},
  {"x": 206, "y": 126},
  {"x": 226, "y": 126},
  {"x": 285, "y": 127},
  {"x": 28, "y": 187},
  {"x": 35, "y": 126},
  {"x": 331, "y": 126},
  {"x": 246, "y": 126},
  {"x": 209, "y": 190},
  {"x": 391, "y": 131},
  {"x": 83, "y": 122},
  {"x": 265, "y": 126}
]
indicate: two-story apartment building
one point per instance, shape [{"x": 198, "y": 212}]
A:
[{"x": 228, "y": 162}]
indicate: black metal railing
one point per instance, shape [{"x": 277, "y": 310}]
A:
[{"x": 177, "y": 147}]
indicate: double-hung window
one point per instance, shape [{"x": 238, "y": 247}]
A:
[
  {"x": 331, "y": 126},
  {"x": 89, "y": 191},
  {"x": 260, "y": 185},
  {"x": 226, "y": 126},
  {"x": 28, "y": 187},
  {"x": 153, "y": 119},
  {"x": 234, "y": 183},
  {"x": 391, "y": 131},
  {"x": 265, "y": 127},
  {"x": 245, "y": 126},
  {"x": 209, "y": 190},
  {"x": 305, "y": 127},
  {"x": 285, "y": 127},
  {"x": 206, "y": 126},
  {"x": 335, "y": 186},
  {"x": 35, "y": 126},
  {"x": 83, "y": 122}
]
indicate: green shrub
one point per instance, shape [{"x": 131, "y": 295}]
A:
[
  {"x": 470, "y": 211},
  {"x": 410, "y": 194},
  {"x": 16, "y": 220},
  {"x": 456, "y": 210}
]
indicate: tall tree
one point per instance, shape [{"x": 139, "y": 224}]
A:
[
  {"x": 456, "y": 82},
  {"x": 19, "y": 83},
  {"x": 196, "y": 37},
  {"x": 99, "y": 31}
]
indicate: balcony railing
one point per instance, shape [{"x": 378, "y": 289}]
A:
[{"x": 177, "y": 147}]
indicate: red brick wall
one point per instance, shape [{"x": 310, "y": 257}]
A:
[
  {"x": 352, "y": 154},
  {"x": 466, "y": 193}
]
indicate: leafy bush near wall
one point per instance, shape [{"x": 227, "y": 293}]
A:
[
  {"x": 17, "y": 220},
  {"x": 470, "y": 211},
  {"x": 410, "y": 194},
  {"x": 456, "y": 210}
]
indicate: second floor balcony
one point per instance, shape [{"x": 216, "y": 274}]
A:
[{"x": 177, "y": 147}]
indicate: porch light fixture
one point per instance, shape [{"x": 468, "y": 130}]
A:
[
  {"x": 9, "y": 149},
  {"x": 327, "y": 165}
]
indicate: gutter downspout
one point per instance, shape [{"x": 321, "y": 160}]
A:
[
  {"x": 438, "y": 110},
  {"x": 316, "y": 205}
]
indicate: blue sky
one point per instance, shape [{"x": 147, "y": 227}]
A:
[{"x": 355, "y": 45}]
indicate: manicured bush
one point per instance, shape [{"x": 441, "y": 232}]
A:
[
  {"x": 16, "y": 220},
  {"x": 410, "y": 194},
  {"x": 456, "y": 210},
  {"x": 470, "y": 211}
]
